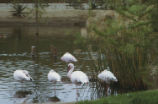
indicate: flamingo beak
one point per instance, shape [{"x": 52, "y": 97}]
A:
[{"x": 31, "y": 79}]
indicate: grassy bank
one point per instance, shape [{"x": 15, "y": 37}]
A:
[{"x": 145, "y": 97}]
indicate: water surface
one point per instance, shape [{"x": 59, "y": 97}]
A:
[{"x": 15, "y": 53}]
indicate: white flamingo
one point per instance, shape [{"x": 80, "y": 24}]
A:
[
  {"x": 22, "y": 75},
  {"x": 67, "y": 57},
  {"x": 76, "y": 77},
  {"x": 54, "y": 77},
  {"x": 107, "y": 76}
]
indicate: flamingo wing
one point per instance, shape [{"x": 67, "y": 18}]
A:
[{"x": 53, "y": 76}]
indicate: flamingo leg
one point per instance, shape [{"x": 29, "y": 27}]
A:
[
  {"x": 77, "y": 94},
  {"x": 108, "y": 90},
  {"x": 55, "y": 89},
  {"x": 22, "y": 85},
  {"x": 15, "y": 85}
]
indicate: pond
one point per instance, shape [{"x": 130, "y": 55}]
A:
[{"x": 15, "y": 53}]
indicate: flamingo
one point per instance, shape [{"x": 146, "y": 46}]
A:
[
  {"x": 76, "y": 76},
  {"x": 22, "y": 75},
  {"x": 54, "y": 77},
  {"x": 68, "y": 57},
  {"x": 107, "y": 76}
]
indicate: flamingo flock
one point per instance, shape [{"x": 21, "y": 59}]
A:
[{"x": 76, "y": 77}]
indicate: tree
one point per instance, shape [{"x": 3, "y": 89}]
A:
[
  {"x": 18, "y": 8},
  {"x": 39, "y": 9},
  {"x": 126, "y": 38}
]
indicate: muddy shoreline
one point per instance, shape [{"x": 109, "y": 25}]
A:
[
  {"x": 53, "y": 22},
  {"x": 57, "y": 14}
]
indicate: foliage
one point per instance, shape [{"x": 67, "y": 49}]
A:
[
  {"x": 18, "y": 8},
  {"x": 77, "y": 4},
  {"x": 126, "y": 39},
  {"x": 92, "y": 4},
  {"x": 110, "y": 4},
  {"x": 146, "y": 97},
  {"x": 39, "y": 8},
  {"x": 154, "y": 16}
]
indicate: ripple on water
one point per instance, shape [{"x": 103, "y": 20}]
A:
[{"x": 40, "y": 90}]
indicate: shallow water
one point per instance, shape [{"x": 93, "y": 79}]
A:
[{"x": 15, "y": 53}]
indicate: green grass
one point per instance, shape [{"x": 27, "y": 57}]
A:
[{"x": 144, "y": 97}]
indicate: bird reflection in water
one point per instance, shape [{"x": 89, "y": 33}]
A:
[
  {"x": 53, "y": 99},
  {"x": 22, "y": 93},
  {"x": 33, "y": 51},
  {"x": 77, "y": 92},
  {"x": 53, "y": 53}
]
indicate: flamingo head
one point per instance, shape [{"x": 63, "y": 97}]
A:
[{"x": 70, "y": 66}]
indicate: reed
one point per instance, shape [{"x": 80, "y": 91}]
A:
[{"x": 126, "y": 41}]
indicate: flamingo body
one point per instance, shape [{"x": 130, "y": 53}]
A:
[
  {"x": 77, "y": 76},
  {"x": 22, "y": 75},
  {"x": 67, "y": 57},
  {"x": 107, "y": 76},
  {"x": 53, "y": 76}
]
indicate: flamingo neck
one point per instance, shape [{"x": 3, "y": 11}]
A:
[{"x": 70, "y": 72}]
